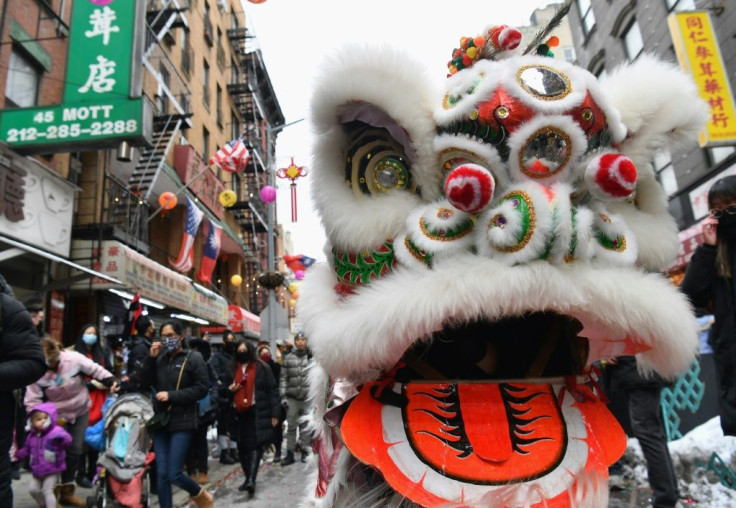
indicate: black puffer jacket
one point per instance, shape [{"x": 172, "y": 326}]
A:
[
  {"x": 705, "y": 288},
  {"x": 21, "y": 358},
  {"x": 222, "y": 364},
  {"x": 162, "y": 373}
]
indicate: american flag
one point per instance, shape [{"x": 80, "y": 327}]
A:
[
  {"x": 232, "y": 157},
  {"x": 185, "y": 259},
  {"x": 209, "y": 253}
]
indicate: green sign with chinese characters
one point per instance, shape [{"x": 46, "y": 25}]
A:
[
  {"x": 100, "y": 50},
  {"x": 102, "y": 103},
  {"x": 92, "y": 124}
]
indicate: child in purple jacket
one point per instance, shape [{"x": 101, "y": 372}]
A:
[{"x": 45, "y": 445}]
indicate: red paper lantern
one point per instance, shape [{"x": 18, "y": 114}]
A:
[{"x": 167, "y": 200}]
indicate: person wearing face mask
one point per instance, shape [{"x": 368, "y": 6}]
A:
[
  {"x": 256, "y": 402},
  {"x": 179, "y": 378},
  {"x": 264, "y": 353},
  {"x": 64, "y": 385},
  {"x": 89, "y": 345},
  {"x": 709, "y": 283},
  {"x": 222, "y": 365}
]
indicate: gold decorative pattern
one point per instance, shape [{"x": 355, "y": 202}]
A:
[
  {"x": 422, "y": 258},
  {"x": 530, "y": 227},
  {"x": 449, "y": 235}
]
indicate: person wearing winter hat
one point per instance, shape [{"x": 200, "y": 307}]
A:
[
  {"x": 64, "y": 386},
  {"x": 45, "y": 446}
]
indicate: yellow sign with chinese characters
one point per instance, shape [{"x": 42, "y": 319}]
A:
[{"x": 698, "y": 53}]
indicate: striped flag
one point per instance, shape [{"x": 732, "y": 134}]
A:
[
  {"x": 209, "y": 253},
  {"x": 232, "y": 157},
  {"x": 185, "y": 260}
]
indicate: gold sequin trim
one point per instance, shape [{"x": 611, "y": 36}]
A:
[
  {"x": 453, "y": 236},
  {"x": 414, "y": 251},
  {"x": 532, "y": 222}
]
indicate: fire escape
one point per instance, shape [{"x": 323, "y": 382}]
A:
[
  {"x": 172, "y": 105},
  {"x": 256, "y": 101}
]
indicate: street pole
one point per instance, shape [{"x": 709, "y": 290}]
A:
[{"x": 271, "y": 218}]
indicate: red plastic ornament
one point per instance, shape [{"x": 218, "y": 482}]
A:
[{"x": 167, "y": 200}]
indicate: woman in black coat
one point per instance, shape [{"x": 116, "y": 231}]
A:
[
  {"x": 256, "y": 403},
  {"x": 179, "y": 377},
  {"x": 709, "y": 283}
]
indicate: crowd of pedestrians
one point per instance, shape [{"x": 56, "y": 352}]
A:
[{"x": 52, "y": 395}]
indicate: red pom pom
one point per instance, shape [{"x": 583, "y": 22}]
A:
[
  {"x": 614, "y": 175},
  {"x": 469, "y": 188},
  {"x": 467, "y": 61}
]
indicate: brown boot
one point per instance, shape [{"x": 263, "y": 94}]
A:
[
  {"x": 204, "y": 499},
  {"x": 67, "y": 497},
  {"x": 202, "y": 478}
]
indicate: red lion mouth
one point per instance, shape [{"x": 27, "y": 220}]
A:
[{"x": 487, "y": 441}]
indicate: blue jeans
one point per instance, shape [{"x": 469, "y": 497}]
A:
[{"x": 171, "y": 449}]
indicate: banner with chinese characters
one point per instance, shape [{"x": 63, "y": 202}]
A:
[
  {"x": 698, "y": 52},
  {"x": 151, "y": 279}
]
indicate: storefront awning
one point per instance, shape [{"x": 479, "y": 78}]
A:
[
  {"x": 153, "y": 280},
  {"x": 52, "y": 257}
]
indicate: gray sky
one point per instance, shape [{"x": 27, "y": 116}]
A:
[{"x": 294, "y": 34}]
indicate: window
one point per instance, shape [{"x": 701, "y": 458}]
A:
[
  {"x": 681, "y": 5},
  {"x": 234, "y": 125},
  {"x": 205, "y": 84},
  {"x": 236, "y": 184},
  {"x": 21, "y": 87},
  {"x": 633, "y": 42},
  {"x": 207, "y": 24},
  {"x": 234, "y": 73},
  {"x": 569, "y": 54},
  {"x": 233, "y": 18},
  {"x": 205, "y": 145},
  {"x": 720, "y": 153},
  {"x": 586, "y": 15},
  {"x": 665, "y": 172},
  {"x": 186, "y": 57},
  {"x": 162, "y": 101},
  {"x": 218, "y": 105}
]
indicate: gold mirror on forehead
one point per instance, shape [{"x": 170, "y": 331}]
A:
[
  {"x": 543, "y": 82},
  {"x": 375, "y": 163}
]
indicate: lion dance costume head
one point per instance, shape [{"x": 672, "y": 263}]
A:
[{"x": 488, "y": 242}]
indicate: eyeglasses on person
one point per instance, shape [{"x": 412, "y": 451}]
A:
[{"x": 717, "y": 213}]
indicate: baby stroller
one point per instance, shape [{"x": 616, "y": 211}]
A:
[{"x": 121, "y": 480}]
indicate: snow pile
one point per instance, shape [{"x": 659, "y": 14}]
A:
[{"x": 690, "y": 456}]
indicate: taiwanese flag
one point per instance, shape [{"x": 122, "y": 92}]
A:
[
  {"x": 185, "y": 260},
  {"x": 298, "y": 262},
  {"x": 209, "y": 253}
]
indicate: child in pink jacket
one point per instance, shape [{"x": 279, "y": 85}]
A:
[{"x": 46, "y": 446}]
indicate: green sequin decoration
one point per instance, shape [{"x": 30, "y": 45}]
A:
[{"x": 361, "y": 268}]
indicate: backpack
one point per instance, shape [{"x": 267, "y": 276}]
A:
[{"x": 207, "y": 406}]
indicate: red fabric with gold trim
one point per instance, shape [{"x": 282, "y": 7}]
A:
[{"x": 470, "y": 443}]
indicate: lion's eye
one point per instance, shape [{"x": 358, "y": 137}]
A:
[{"x": 375, "y": 163}]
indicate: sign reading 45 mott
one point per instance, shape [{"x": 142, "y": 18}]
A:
[{"x": 102, "y": 103}]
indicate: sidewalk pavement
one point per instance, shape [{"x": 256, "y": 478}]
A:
[{"x": 217, "y": 474}]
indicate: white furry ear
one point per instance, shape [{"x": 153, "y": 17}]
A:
[
  {"x": 385, "y": 89},
  {"x": 658, "y": 103}
]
